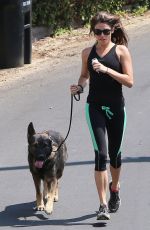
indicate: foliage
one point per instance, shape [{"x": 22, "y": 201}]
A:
[
  {"x": 62, "y": 14},
  {"x": 88, "y": 8},
  {"x": 56, "y": 14}
]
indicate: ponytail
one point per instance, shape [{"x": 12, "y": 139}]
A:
[{"x": 119, "y": 36}]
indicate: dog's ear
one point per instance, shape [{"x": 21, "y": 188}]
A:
[{"x": 31, "y": 131}]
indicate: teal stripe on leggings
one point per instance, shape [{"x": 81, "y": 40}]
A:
[
  {"x": 124, "y": 126},
  {"x": 90, "y": 126}
]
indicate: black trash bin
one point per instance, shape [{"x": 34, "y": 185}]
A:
[
  {"x": 27, "y": 31},
  {"x": 15, "y": 33}
]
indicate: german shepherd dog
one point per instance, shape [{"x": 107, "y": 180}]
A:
[{"x": 46, "y": 164}]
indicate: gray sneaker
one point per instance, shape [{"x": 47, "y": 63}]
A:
[{"x": 103, "y": 213}]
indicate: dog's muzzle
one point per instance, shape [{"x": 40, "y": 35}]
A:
[{"x": 39, "y": 164}]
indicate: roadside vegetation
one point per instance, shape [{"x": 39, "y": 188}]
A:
[{"x": 64, "y": 15}]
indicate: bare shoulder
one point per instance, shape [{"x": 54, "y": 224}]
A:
[{"x": 122, "y": 50}]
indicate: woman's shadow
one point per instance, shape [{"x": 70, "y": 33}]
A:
[{"x": 23, "y": 215}]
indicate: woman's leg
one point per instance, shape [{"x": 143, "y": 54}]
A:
[
  {"x": 115, "y": 174},
  {"x": 115, "y": 130},
  {"x": 101, "y": 180},
  {"x": 96, "y": 124}
]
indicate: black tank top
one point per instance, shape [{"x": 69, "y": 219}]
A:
[{"x": 103, "y": 89}]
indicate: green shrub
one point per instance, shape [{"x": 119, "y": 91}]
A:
[
  {"x": 56, "y": 14},
  {"x": 62, "y": 14}
]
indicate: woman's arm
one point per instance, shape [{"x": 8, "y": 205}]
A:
[
  {"x": 125, "y": 78},
  {"x": 84, "y": 76}
]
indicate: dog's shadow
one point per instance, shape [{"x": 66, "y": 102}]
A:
[{"x": 23, "y": 215}]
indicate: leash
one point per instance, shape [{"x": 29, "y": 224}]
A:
[{"x": 77, "y": 98}]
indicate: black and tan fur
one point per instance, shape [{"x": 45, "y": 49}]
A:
[{"x": 46, "y": 164}]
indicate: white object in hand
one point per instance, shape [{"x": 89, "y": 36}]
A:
[{"x": 94, "y": 60}]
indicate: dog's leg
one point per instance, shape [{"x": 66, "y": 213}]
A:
[
  {"x": 45, "y": 191},
  {"x": 56, "y": 193},
  {"x": 39, "y": 196},
  {"x": 51, "y": 186}
]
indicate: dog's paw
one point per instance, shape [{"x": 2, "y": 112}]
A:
[
  {"x": 40, "y": 208},
  {"x": 48, "y": 209}
]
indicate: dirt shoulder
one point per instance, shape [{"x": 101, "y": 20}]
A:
[{"x": 52, "y": 51}]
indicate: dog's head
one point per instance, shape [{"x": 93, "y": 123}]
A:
[{"x": 41, "y": 146}]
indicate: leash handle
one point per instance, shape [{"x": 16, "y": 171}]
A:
[{"x": 77, "y": 96}]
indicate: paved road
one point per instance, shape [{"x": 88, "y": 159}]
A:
[{"x": 44, "y": 98}]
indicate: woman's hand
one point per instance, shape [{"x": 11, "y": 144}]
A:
[
  {"x": 98, "y": 67},
  {"x": 75, "y": 89}
]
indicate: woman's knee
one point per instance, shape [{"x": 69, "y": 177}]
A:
[
  {"x": 100, "y": 161},
  {"x": 116, "y": 162}
]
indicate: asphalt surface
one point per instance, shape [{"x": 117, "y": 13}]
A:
[{"x": 44, "y": 98}]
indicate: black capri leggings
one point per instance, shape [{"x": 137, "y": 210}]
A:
[{"x": 113, "y": 120}]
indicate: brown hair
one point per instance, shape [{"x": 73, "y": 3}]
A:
[{"x": 119, "y": 35}]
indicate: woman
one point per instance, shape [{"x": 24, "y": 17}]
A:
[{"x": 108, "y": 66}]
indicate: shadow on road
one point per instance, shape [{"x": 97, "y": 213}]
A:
[
  {"x": 77, "y": 163},
  {"x": 141, "y": 159},
  {"x": 23, "y": 215}
]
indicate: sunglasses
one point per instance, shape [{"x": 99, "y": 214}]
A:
[{"x": 99, "y": 32}]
